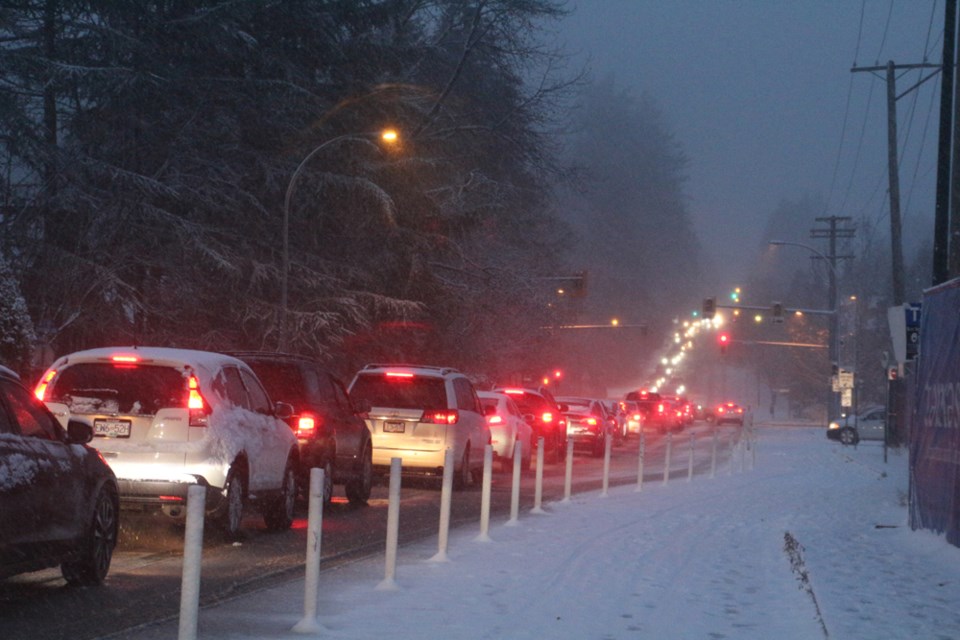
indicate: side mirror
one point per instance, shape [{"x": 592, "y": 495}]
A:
[
  {"x": 79, "y": 432},
  {"x": 283, "y": 410}
]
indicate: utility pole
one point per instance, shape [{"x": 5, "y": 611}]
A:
[
  {"x": 945, "y": 225},
  {"x": 832, "y": 233},
  {"x": 896, "y": 243}
]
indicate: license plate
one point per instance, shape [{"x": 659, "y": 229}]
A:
[
  {"x": 393, "y": 427},
  {"x": 111, "y": 428}
]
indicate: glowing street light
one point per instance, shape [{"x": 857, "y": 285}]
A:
[{"x": 389, "y": 136}]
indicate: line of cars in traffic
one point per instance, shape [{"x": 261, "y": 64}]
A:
[{"x": 136, "y": 427}]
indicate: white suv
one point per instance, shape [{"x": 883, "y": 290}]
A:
[
  {"x": 417, "y": 412},
  {"x": 165, "y": 419}
]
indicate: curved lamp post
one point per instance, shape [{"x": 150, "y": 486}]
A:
[
  {"x": 834, "y": 307},
  {"x": 390, "y": 136}
]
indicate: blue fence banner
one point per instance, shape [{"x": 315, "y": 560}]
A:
[{"x": 935, "y": 423}]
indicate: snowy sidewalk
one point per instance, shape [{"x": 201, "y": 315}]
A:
[{"x": 700, "y": 559}]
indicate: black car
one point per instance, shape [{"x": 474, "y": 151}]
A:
[
  {"x": 545, "y": 415},
  {"x": 333, "y": 436},
  {"x": 59, "y": 502}
]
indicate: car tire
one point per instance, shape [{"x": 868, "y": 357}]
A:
[
  {"x": 234, "y": 496},
  {"x": 93, "y": 563},
  {"x": 278, "y": 516},
  {"x": 599, "y": 447},
  {"x": 358, "y": 489},
  {"x": 848, "y": 436},
  {"x": 462, "y": 475}
]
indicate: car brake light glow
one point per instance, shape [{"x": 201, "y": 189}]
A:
[
  {"x": 720, "y": 409},
  {"x": 41, "y": 389},
  {"x": 399, "y": 374},
  {"x": 195, "y": 403},
  {"x": 441, "y": 416},
  {"x": 120, "y": 359},
  {"x": 514, "y": 392},
  {"x": 495, "y": 419},
  {"x": 660, "y": 408},
  {"x": 592, "y": 422},
  {"x": 547, "y": 416},
  {"x": 306, "y": 426}
]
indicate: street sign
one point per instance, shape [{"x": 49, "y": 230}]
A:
[
  {"x": 904, "y": 323},
  {"x": 846, "y": 398},
  {"x": 845, "y": 379}
]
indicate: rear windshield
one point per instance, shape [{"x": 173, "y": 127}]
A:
[
  {"x": 285, "y": 381},
  {"x": 100, "y": 387},
  {"x": 418, "y": 392},
  {"x": 530, "y": 403}
]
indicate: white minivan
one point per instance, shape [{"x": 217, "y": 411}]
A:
[{"x": 416, "y": 413}]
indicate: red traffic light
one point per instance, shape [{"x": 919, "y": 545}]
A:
[{"x": 723, "y": 339}]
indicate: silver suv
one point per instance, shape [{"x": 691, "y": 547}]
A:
[
  {"x": 417, "y": 412},
  {"x": 165, "y": 419}
]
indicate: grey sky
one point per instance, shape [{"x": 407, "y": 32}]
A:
[{"x": 756, "y": 92}]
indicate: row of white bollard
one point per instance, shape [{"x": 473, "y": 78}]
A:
[{"x": 193, "y": 540}]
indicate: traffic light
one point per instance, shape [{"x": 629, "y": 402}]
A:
[
  {"x": 709, "y": 308},
  {"x": 723, "y": 339},
  {"x": 778, "y": 312},
  {"x": 578, "y": 284}
]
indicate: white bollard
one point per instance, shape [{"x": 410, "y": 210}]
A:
[
  {"x": 389, "y": 582},
  {"x": 753, "y": 448},
  {"x": 515, "y": 486},
  {"x": 538, "y": 488},
  {"x": 643, "y": 444},
  {"x": 713, "y": 456},
  {"x": 666, "y": 460},
  {"x": 485, "y": 494},
  {"x": 311, "y": 591},
  {"x": 192, "y": 557},
  {"x": 607, "y": 448},
  {"x": 731, "y": 460},
  {"x": 446, "y": 491},
  {"x": 568, "y": 475},
  {"x": 690, "y": 461}
]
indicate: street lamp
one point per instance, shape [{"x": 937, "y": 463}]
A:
[
  {"x": 389, "y": 136},
  {"x": 834, "y": 306}
]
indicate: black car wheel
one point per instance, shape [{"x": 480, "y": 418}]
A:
[
  {"x": 462, "y": 476},
  {"x": 93, "y": 563},
  {"x": 234, "y": 495},
  {"x": 358, "y": 489},
  {"x": 278, "y": 516},
  {"x": 848, "y": 436}
]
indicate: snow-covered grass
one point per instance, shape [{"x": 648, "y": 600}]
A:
[{"x": 812, "y": 542}]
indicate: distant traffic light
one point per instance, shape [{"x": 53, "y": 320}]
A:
[
  {"x": 723, "y": 339},
  {"x": 709, "y": 308},
  {"x": 778, "y": 312}
]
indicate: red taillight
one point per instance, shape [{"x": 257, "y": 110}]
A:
[
  {"x": 442, "y": 416},
  {"x": 41, "y": 389},
  {"x": 306, "y": 426},
  {"x": 195, "y": 403},
  {"x": 399, "y": 375},
  {"x": 660, "y": 408},
  {"x": 494, "y": 419},
  {"x": 720, "y": 409},
  {"x": 514, "y": 392},
  {"x": 547, "y": 417},
  {"x": 592, "y": 422},
  {"x": 637, "y": 417},
  {"x": 124, "y": 359}
]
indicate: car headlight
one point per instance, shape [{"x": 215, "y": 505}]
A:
[{"x": 834, "y": 425}]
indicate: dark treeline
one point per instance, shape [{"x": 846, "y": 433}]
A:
[{"x": 147, "y": 148}]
